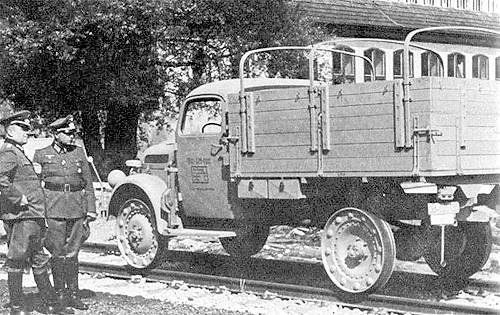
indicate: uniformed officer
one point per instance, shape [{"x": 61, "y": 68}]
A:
[
  {"x": 70, "y": 205},
  {"x": 22, "y": 210}
]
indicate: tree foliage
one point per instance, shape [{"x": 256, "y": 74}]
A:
[{"x": 114, "y": 61}]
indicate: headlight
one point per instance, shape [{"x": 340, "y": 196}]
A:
[{"x": 115, "y": 177}]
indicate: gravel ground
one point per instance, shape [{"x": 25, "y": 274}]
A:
[{"x": 123, "y": 304}]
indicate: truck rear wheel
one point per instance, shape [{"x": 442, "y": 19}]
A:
[
  {"x": 138, "y": 240},
  {"x": 248, "y": 241},
  {"x": 358, "y": 251},
  {"x": 467, "y": 248}
]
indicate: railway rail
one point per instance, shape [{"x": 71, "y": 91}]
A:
[
  {"x": 413, "y": 279},
  {"x": 394, "y": 304},
  {"x": 282, "y": 290}
]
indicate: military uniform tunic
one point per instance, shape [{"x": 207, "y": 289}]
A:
[
  {"x": 68, "y": 181},
  {"x": 69, "y": 196},
  {"x": 24, "y": 224}
]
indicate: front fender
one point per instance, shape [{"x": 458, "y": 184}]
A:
[{"x": 142, "y": 186}]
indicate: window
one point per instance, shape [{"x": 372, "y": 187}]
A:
[
  {"x": 445, "y": 3},
  {"x": 202, "y": 117},
  {"x": 156, "y": 158},
  {"x": 476, "y": 5},
  {"x": 480, "y": 67},
  {"x": 431, "y": 65},
  {"x": 456, "y": 65},
  {"x": 494, "y": 7},
  {"x": 429, "y": 2},
  {"x": 343, "y": 66},
  {"x": 377, "y": 57},
  {"x": 398, "y": 64},
  {"x": 497, "y": 68},
  {"x": 462, "y": 4}
]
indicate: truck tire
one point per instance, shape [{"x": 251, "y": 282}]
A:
[
  {"x": 467, "y": 248},
  {"x": 248, "y": 241},
  {"x": 138, "y": 239}
]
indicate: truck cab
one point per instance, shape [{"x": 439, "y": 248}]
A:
[{"x": 184, "y": 188}]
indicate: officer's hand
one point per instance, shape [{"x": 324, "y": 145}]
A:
[{"x": 86, "y": 229}]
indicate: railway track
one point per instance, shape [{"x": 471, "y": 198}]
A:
[
  {"x": 262, "y": 285},
  {"x": 290, "y": 267},
  {"x": 397, "y": 305},
  {"x": 238, "y": 282}
]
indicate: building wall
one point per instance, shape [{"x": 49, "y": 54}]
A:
[{"x": 490, "y": 72}]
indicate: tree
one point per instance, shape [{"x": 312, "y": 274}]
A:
[
  {"x": 115, "y": 61},
  {"x": 88, "y": 57}
]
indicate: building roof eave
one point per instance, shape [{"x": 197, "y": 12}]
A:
[{"x": 394, "y": 14}]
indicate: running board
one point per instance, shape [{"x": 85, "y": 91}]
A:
[{"x": 191, "y": 233}]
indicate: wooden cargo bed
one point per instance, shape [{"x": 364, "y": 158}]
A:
[{"x": 291, "y": 132}]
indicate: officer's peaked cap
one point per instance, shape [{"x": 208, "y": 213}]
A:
[
  {"x": 18, "y": 118},
  {"x": 63, "y": 124}
]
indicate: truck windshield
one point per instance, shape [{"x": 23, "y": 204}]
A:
[{"x": 202, "y": 116}]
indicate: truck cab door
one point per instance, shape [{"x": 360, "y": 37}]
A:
[{"x": 203, "y": 177}]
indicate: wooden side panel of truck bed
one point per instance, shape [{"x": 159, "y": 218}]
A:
[
  {"x": 363, "y": 129},
  {"x": 467, "y": 112}
]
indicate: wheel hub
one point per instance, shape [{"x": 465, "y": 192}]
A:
[
  {"x": 357, "y": 252},
  {"x": 135, "y": 234},
  {"x": 139, "y": 232}
]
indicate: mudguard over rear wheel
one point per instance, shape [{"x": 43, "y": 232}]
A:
[
  {"x": 358, "y": 251},
  {"x": 138, "y": 240},
  {"x": 467, "y": 248},
  {"x": 248, "y": 241}
]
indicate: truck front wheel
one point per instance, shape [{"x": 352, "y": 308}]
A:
[
  {"x": 248, "y": 241},
  {"x": 138, "y": 239}
]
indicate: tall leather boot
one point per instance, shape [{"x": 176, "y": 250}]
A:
[
  {"x": 50, "y": 303},
  {"x": 73, "y": 300},
  {"x": 15, "y": 284},
  {"x": 58, "y": 270}
]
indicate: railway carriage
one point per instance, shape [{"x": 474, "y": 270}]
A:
[{"x": 396, "y": 154}]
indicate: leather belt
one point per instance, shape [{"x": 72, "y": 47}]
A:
[{"x": 63, "y": 187}]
